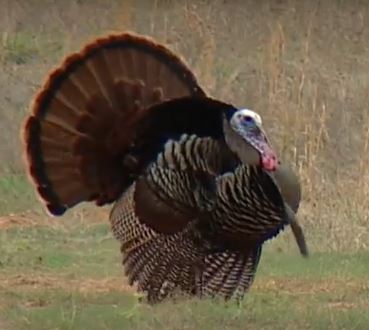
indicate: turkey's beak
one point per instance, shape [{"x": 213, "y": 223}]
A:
[{"x": 297, "y": 231}]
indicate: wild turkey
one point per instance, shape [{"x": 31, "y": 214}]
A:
[{"x": 196, "y": 185}]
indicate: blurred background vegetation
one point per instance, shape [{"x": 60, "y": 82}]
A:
[{"x": 303, "y": 65}]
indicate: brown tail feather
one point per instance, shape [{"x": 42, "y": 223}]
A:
[{"x": 84, "y": 117}]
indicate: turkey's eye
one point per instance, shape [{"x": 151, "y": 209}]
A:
[{"x": 247, "y": 119}]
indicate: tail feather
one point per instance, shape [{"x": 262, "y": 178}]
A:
[
  {"x": 175, "y": 273},
  {"x": 84, "y": 117},
  {"x": 160, "y": 275},
  {"x": 233, "y": 279},
  {"x": 150, "y": 269},
  {"x": 218, "y": 282},
  {"x": 174, "y": 269},
  {"x": 159, "y": 287},
  {"x": 141, "y": 246},
  {"x": 188, "y": 278},
  {"x": 150, "y": 254},
  {"x": 212, "y": 273},
  {"x": 157, "y": 263},
  {"x": 229, "y": 274},
  {"x": 247, "y": 276}
]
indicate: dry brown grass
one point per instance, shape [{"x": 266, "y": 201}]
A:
[
  {"x": 83, "y": 285},
  {"x": 87, "y": 217},
  {"x": 287, "y": 286},
  {"x": 302, "y": 64}
]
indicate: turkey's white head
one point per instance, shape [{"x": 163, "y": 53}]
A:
[{"x": 245, "y": 136}]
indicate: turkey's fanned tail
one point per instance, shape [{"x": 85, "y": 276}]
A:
[{"x": 84, "y": 117}]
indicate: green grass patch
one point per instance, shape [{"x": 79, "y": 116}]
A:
[
  {"x": 84, "y": 250},
  {"x": 62, "y": 309},
  {"x": 56, "y": 309},
  {"x": 45, "y": 270},
  {"x": 16, "y": 194},
  {"x": 23, "y": 47},
  {"x": 318, "y": 265}
]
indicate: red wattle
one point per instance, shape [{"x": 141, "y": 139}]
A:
[{"x": 269, "y": 162}]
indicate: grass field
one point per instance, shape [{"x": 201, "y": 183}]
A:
[
  {"x": 302, "y": 64},
  {"x": 67, "y": 275}
]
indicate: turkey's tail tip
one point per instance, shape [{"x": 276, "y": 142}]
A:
[{"x": 29, "y": 130}]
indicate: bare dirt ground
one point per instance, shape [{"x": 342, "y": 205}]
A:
[
  {"x": 32, "y": 218},
  {"x": 25, "y": 219},
  {"x": 24, "y": 282}
]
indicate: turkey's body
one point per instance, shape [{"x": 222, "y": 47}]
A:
[
  {"x": 200, "y": 233},
  {"x": 125, "y": 121}
]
